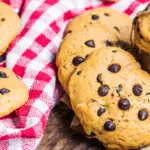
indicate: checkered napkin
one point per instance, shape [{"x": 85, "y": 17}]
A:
[{"x": 32, "y": 57}]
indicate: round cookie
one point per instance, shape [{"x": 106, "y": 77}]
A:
[
  {"x": 13, "y": 92},
  {"x": 111, "y": 97},
  {"x": 76, "y": 47},
  {"x": 9, "y": 26},
  {"x": 115, "y": 21},
  {"x": 141, "y": 30}
]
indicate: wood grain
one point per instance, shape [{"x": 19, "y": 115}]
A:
[{"x": 58, "y": 135}]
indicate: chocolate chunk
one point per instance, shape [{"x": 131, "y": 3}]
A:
[
  {"x": 114, "y": 68},
  {"x": 95, "y": 17},
  {"x": 106, "y": 14},
  {"x": 101, "y": 111},
  {"x": 4, "y": 91},
  {"x": 139, "y": 32},
  {"x": 2, "y": 57},
  {"x": 142, "y": 115},
  {"x": 86, "y": 56},
  {"x": 137, "y": 90},
  {"x": 3, "y": 19},
  {"x": 18, "y": 77},
  {"x": 79, "y": 72},
  {"x": 90, "y": 43},
  {"x": 3, "y": 74},
  {"x": 99, "y": 78},
  {"x": 109, "y": 126},
  {"x": 135, "y": 20},
  {"x": 124, "y": 104},
  {"x": 117, "y": 28},
  {"x": 103, "y": 90},
  {"x": 69, "y": 31},
  {"x": 108, "y": 43},
  {"x": 147, "y": 7},
  {"x": 123, "y": 45},
  {"x": 115, "y": 51},
  {"x": 92, "y": 134},
  {"x": 119, "y": 89},
  {"x": 77, "y": 60},
  {"x": 148, "y": 93}
]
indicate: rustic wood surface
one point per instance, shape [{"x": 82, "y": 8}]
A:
[{"x": 58, "y": 135}]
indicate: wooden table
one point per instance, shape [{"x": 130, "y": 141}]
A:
[{"x": 58, "y": 135}]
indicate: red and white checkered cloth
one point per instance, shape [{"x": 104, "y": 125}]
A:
[{"x": 32, "y": 57}]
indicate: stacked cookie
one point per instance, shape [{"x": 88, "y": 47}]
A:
[
  {"x": 101, "y": 27},
  {"x": 141, "y": 37},
  {"x": 108, "y": 90},
  {"x": 13, "y": 92}
]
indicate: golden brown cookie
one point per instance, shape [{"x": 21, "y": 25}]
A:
[
  {"x": 110, "y": 94},
  {"x": 76, "y": 47},
  {"x": 9, "y": 26},
  {"x": 141, "y": 30},
  {"x": 13, "y": 92},
  {"x": 115, "y": 21}
]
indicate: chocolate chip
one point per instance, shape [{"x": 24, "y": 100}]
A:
[
  {"x": 103, "y": 90},
  {"x": 117, "y": 28},
  {"x": 135, "y": 20},
  {"x": 137, "y": 90},
  {"x": 101, "y": 111},
  {"x": 90, "y": 43},
  {"x": 92, "y": 134},
  {"x": 99, "y": 78},
  {"x": 124, "y": 104},
  {"x": 106, "y": 14},
  {"x": 142, "y": 115},
  {"x": 77, "y": 60},
  {"x": 109, "y": 126},
  {"x": 4, "y": 91},
  {"x": 95, "y": 17},
  {"x": 79, "y": 72},
  {"x": 108, "y": 43},
  {"x": 3, "y": 19},
  {"x": 3, "y": 74},
  {"x": 114, "y": 68},
  {"x": 115, "y": 51}
]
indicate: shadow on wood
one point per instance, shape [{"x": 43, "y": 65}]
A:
[{"x": 58, "y": 135}]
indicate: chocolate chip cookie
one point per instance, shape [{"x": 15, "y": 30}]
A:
[
  {"x": 115, "y": 21},
  {"x": 77, "y": 46},
  {"x": 13, "y": 92},
  {"x": 9, "y": 26},
  {"x": 109, "y": 93}
]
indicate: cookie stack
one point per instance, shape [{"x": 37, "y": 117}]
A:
[
  {"x": 13, "y": 92},
  {"x": 141, "y": 36},
  {"x": 108, "y": 90}
]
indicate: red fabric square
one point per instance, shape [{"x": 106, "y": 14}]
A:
[
  {"x": 19, "y": 70},
  {"x": 42, "y": 40},
  {"x": 43, "y": 77},
  {"x": 52, "y": 2},
  {"x": 29, "y": 54},
  {"x": 55, "y": 27}
]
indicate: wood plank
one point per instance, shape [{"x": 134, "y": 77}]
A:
[{"x": 58, "y": 135}]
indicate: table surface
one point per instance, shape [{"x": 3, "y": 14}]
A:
[{"x": 58, "y": 135}]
